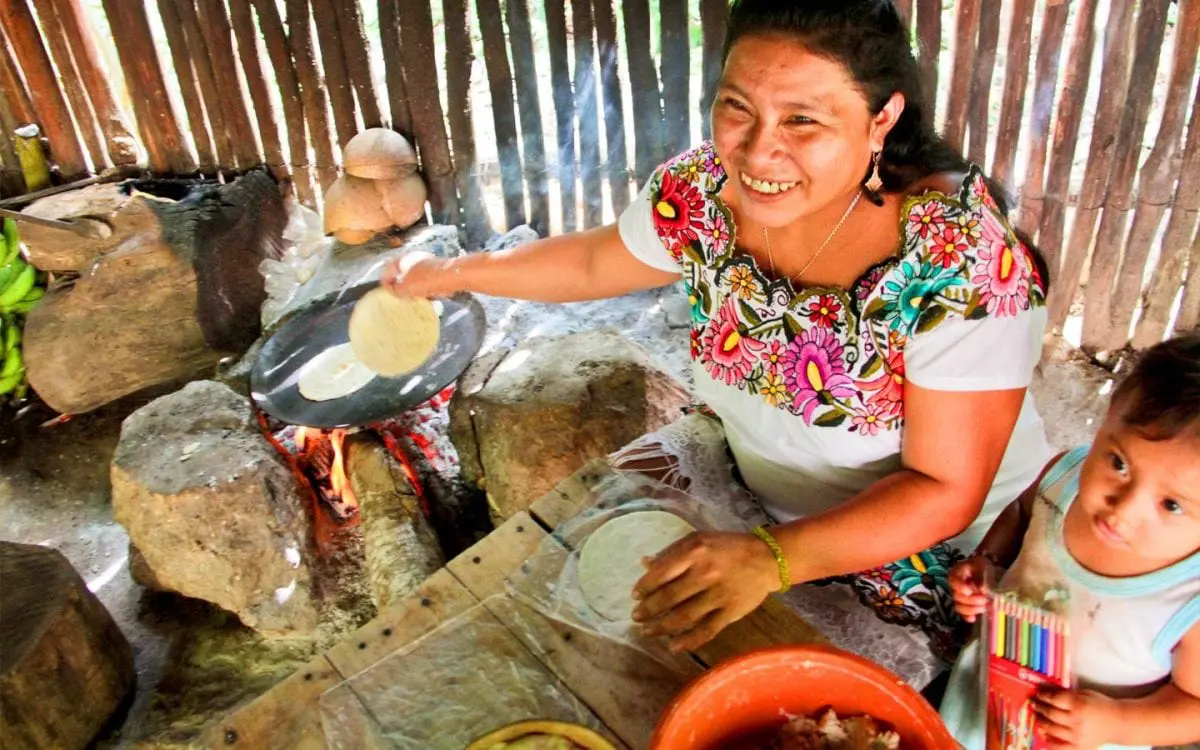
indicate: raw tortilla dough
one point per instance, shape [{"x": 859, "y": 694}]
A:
[
  {"x": 611, "y": 560},
  {"x": 334, "y": 373},
  {"x": 393, "y": 335}
]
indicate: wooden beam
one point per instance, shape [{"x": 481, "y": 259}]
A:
[
  {"x": 312, "y": 89},
  {"x": 333, "y": 60},
  {"x": 356, "y": 47},
  {"x": 1012, "y": 103},
  {"x": 504, "y": 116},
  {"x": 72, "y": 82},
  {"x": 929, "y": 34},
  {"x": 275, "y": 39},
  {"x": 189, "y": 88},
  {"x": 978, "y": 113},
  {"x": 520, "y": 33},
  {"x": 564, "y": 110},
  {"x": 1037, "y": 130},
  {"x": 614, "y": 106},
  {"x": 587, "y": 105},
  {"x": 676, "y": 74},
  {"x": 219, "y": 36},
  {"x": 649, "y": 148},
  {"x": 460, "y": 58},
  {"x": 246, "y": 33},
  {"x": 393, "y": 67},
  {"x": 714, "y": 20},
  {"x": 966, "y": 34}
]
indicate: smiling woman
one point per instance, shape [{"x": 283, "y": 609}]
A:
[{"x": 865, "y": 323}]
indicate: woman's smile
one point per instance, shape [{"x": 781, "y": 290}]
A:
[{"x": 766, "y": 187}]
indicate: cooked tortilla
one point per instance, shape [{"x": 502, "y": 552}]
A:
[
  {"x": 393, "y": 335},
  {"x": 334, "y": 373},
  {"x": 610, "y": 562}
]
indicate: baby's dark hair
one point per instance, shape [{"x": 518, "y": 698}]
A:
[{"x": 1160, "y": 397}]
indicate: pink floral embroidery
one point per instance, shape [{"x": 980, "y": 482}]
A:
[
  {"x": 869, "y": 419},
  {"x": 946, "y": 248},
  {"x": 887, "y": 390},
  {"x": 815, "y": 371},
  {"x": 727, "y": 354},
  {"x": 679, "y": 211},
  {"x": 773, "y": 356},
  {"x": 926, "y": 219},
  {"x": 1002, "y": 272}
]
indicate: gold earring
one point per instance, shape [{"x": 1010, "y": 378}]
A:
[{"x": 875, "y": 182}]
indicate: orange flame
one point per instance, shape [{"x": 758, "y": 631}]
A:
[{"x": 338, "y": 480}]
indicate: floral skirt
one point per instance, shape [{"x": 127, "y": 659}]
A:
[{"x": 900, "y": 615}]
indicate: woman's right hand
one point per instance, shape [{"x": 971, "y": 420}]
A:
[
  {"x": 419, "y": 274},
  {"x": 969, "y": 584}
]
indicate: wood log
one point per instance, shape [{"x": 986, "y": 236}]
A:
[
  {"x": 425, "y": 100},
  {"x": 289, "y": 93},
  {"x": 215, "y": 24},
  {"x": 122, "y": 147},
  {"x": 1114, "y": 83},
  {"x": 533, "y": 142},
  {"x": 984, "y": 66},
  {"x": 393, "y": 67},
  {"x": 41, "y": 81},
  {"x": 179, "y": 290},
  {"x": 460, "y": 57},
  {"x": 1098, "y": 333},
  {"x": 12, "y": 85},
  {"x": 356, "y": 48},
  {"x": 65, "y": 666},
  {"x": 1185, "y": 213},
  {"x": 401, "y": 548},
  {"x": 242, "y": 20},
  {"x": 1189, "y": 309},
  {"x": 504, "y": 116},
  {"x": 72, "y": 82},
  {"x": 189, "y": 87},
  {"x": 157, "y": 123},
  {"x": 649, "y": 149},
  {"x": 564, "y": 111},
  {"x": 1012, "y": 105},
  {"x": 312, "y": 90},
  {"x": 587, "y": 106},
  {"x": 614, "y": 105},
  {"x": 1037, "y": 131},
  {"x": 714, "y": 19},
  {"x": 1157, "y": 180},
  {"x": 676, "y": 69},
  {"x": 905, "y": 9},
  {"x": 966, "y": 34},
  {"x": 193, "y": 52},
  {"x": 929, "y": 32},
  {"x": 333, "y": 60}
]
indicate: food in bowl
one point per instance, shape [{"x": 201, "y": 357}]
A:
[
  {"x": 828, "y": 732},
  {"x": 538, "y": 742},
  {"x": 542, "y": 735}
]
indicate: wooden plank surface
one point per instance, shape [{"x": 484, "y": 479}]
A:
[
  {"x": 484, "y": 567},
  {"x": 284, "y": 716}
]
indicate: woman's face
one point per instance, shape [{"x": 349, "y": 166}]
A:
[{"x": 793, "y": 130}]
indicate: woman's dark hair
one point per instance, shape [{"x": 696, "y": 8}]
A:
[
  {"x": 1160, "y": 397},
  {"x": 870, "y": 40}
]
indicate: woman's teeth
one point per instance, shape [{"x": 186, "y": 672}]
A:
[{"x": 763, "y": 186}]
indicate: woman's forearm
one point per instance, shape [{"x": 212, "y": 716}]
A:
[
  {"x": 880, "y": 525},
  {"x": 569, "y": 268},
  {"x": 1168, "y": 716},
  {"x": 1003, "y": 541}
]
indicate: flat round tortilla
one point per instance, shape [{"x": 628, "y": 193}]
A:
[
  {"x": 334, "y": 373},
  {"x": 610, "y": 562},
  {"x": 393, "y": 335}
]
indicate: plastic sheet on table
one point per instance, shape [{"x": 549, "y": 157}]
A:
[
  {"x": 549, "y": 579},
  {"x": 456, "y": 684}
]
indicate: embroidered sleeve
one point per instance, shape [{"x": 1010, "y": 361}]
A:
[{"x": 967, "y": 294}]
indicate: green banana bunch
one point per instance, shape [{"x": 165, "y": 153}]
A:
[
  {"x": 12, "y": 372},
  {"x": 20, "y": 292}
]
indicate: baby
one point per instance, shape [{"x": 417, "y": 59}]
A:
[{"x": 1111, "y": 532}]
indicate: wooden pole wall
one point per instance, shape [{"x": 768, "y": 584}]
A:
[
  {"x": 649, "y": 146},
  {"x": 333, "y": 62},
  {"x": 246, "y": 34},
  {"x": 397, "y": 87},
  {"x": 564, "y": 111},
  {"x": 312, "y": 90},
  {"x": 275, "y": 40},
  {"x": 71, "y": 81},
  {"x": 504, "y": 115},
  {"x": 1037, "y": 130},
  {"x": 676, "y": 67},
  {"x": 194, "y": 45},
  {"x": 714, "y": 19},
  {"x": 357, "y": 50},
  {"x": 189, "y": 88},
  {"x": 520, "y": 29},
  {"x": 587, "y": 107},
  {"x": 613, "y": 103},
  {"x": 1016, "y": 81},
  {"x": 460, "y": 57}
]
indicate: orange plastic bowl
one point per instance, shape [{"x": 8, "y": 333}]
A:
[{"x": 742, "y": 702}]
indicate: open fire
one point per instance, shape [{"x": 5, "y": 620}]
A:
[{"x": 321, "y": 457}]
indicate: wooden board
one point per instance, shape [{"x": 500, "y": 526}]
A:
[{"x": 484, "y": 567}]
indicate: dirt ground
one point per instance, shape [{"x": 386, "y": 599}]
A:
[{"x": 194, "y": 663}]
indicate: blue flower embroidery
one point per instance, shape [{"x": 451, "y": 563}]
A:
[{"x": 905, "y": 294}]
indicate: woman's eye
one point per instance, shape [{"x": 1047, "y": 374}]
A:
[
  {"x": 1173, "y": 507},
  {"x": 734, "y": 104},
  {"x": 801, "y": 120},
  {"x": 1118, "y": 463}
]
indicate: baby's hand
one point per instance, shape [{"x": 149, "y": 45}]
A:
[
  {"x": 969, "y": 585},
  {"x": 1077, "y": 719}
]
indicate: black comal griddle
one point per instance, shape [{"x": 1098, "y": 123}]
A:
[{"x": 274, "y": 381}]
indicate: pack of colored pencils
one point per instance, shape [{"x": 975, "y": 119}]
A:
[{"x": 1027, "y": 648}]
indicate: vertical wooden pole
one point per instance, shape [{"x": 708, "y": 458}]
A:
[
  {"x": 157, "y": 122},
  {"x": 1016, "y": 80},
  {"x": 312, "y": 89},
  {"x": 122, "y": 147},
  {"x": 929, "y": 33},
  {"x": 72, "y": 82},
  {"x": 714, "y": 20},
  {"x": 905, "y": 9},
  {"x": 1102, "y": 329},
  {"x": 587, "y": 106},
  {"x": 1189, "y": 308},
  {"x": 676, "y": 67},
  {"x": 215, "y": 25},
  {"x": 981, "y": 81},
  {"x": 564, "y": 110},
  {"x": 649, "y": 148},
  {"x": 1185, "y": 213},
  {"x": 207, "y": 158},
  {"x": 49, "y": 106},
  {"x": 193, "y": 52},
  {"x": 966, "y": 33},
  {"x": 333, "y": 60},
  {"x": 12, "y": 85},
  {"x": 504, "y": 116},
  {"x": 1114, "y": 84},
  {"x": 1037, "y": 131},
  {"x": 268, "y": 127},
  {"x": 460, "y": 57},
  {"x": 429, "y": 124},
  {"x": 357, "y": 50},
  {"x": 397, "y": 92},
  {"x": 614, "y": 106},
  {"x": 530, "y": 108},
  {"x": 275, "y": 40}
]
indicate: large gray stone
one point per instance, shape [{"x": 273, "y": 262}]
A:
[
  {"x": 213, "y": 510},
  {"x": 523, "y": 420}
]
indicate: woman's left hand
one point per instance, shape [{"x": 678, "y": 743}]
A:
[{"x": 696, "y": 587}]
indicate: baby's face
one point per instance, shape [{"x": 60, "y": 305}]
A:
[{"x": 1138, "y": 508}]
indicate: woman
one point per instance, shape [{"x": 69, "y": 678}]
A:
[{"x": 865, "y": 323}]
